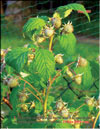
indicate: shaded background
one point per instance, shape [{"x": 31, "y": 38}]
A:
[{"x": 14, "y": 14}]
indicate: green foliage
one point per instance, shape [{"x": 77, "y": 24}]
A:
[
  {"x": 84, "y": 111},
  {"x": 9, "y": 69},
  {"x": 67, "y": 42},
  {"x": 69, "y": 97},
  {"x": 63, "y": 125},
  {"x": 17, "y": 58},
  {"x": 34, "y": 24},
  {"x": 4, "y": 90},
  {"x": 43, "y": 81},
  {"x": 38, "y": 108},
  {"x": 14, "y": 95},
  {"x": 45, "y": 64},
  {"x": 95, "y": 66},
  {"x": 77, "y": 7},
  {"x": 87, "y": 78}
]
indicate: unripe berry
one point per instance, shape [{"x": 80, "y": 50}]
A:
[
  {"x": 71, "y": 121},
  {"x": 32, "y": 105},
  {"x": 89, "y": 101},
  {"x": 39, "y": 118},
  {"x": 64, "y": 112},
  {"x": 12, "y": 82},
  {"x": 40, "y": 39},
  {"x": 56, "y": 22},
  {"x": 52, "y": 117},
  {"x": 24, "y": 108},
  {"x": 68, "y": 28},
  {"x": 59, "y": 59},
  {"x": 31, "y": 56},
  {"x": 3, "y": 53},
  {"x": 98, "y": 59},
  {"x": 48, "y": 31},
  {"x": 69, "y": 73},
  {"x": 78, "y": 78},
  {"x": 26, "y": 45},
  {"x": 23, "y": 97},
  {"x": 60, "y": 104},
  {"x": 82, "y": 62},
  {"x": 77, "y": 125}
]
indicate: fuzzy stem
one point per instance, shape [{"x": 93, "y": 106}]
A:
[
  {"x": 80, "y": 106},
  {"x": 46, "y": 98},
  {"x": 50, "y": 44},
  {"x": 71, "y": 63},
  {"x": 32, "y": 87},
  {"x": 96, "y": 119},
  {"x": 33, "y": 94},
  {"x": 48, "y": 90}
]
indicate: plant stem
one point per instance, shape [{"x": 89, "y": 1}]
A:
[
  {"x": 33, "y": 94},
  {"x": 32, "y": 87},
  {"x": 50, "y": 44},
  {"x": 46, "y": 98},
  {"x": 71, "y": 63},
  {"x": 48, "y": 90},
  {"x": 96, "y": 120},
  {"x": 80, "y": 106}
]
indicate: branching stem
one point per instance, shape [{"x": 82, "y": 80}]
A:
[
  {"x": 33, "y": 94},
  {"x": 49, "y": 87},
  {"x": 32, "y": 87},
  {"x": 46, "y": 98}
]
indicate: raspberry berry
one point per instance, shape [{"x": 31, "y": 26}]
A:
[
  {"x": 68, "y": 28},
  {"x": 59, "y": 59},
  {"x": 56, "y": 22}
]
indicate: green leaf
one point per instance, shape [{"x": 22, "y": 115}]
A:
[
  {"x": 32, "y": 46},
  {"x": 68, "y": 43},
  {"x": 34, "y": 23},
  {"x": 87, "y": 78},
  {"x": 17, "y": 58},
  {"x": 94, "y": 70},
  {"x": 84, "y": 111},
  {"x": 9, "y": 69},
  {"x": 50, "y": 100},
  {"x": 38, "y": 108},
  {"x": 44, "y": 18},
  {"x": 44, "y": 62},
  {"x": 14, "y": 98},
  {"x": 77, "y": 7}
]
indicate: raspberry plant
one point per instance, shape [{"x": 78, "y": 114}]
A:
[{"x": 45, "y": 81}]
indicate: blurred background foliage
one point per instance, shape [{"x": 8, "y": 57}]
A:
[{"x": 14, "y": 15}]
